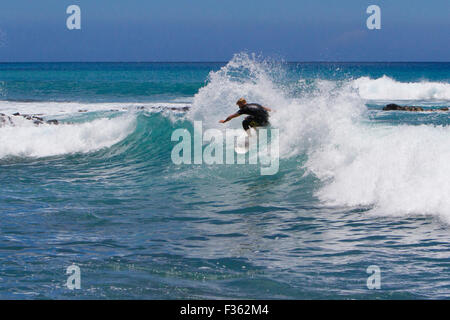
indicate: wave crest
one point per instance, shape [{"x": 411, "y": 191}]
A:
[
  {"x": 394, "y": 169},
  {"x": 51, "y": 140},
  {"x": 388, "y": 89}
]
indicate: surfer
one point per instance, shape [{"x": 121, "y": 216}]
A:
[{"x": 258, "y": 116}]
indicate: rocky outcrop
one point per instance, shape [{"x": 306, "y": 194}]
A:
[
  {"x": 36, "y": 119},
  {"x": 393, "y": 106},
  {"x": 164, "y": 108},
  {"x": 5, "y": 120},
  {"x": 396, "y": 107}
]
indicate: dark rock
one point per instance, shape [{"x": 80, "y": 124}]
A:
[
  {"x": 395, "y": 107},
  {"x": 413, "y": 109},
  {"x": 5, "y": 119},
  {"x": 33, "y": 118}
]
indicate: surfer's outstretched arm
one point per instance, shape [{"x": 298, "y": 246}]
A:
[
  {"x": 267, "y": 109},
  {"x": 235, "y": 115}
]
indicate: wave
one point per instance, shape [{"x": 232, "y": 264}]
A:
[
  {"x": 392, "y": 169},
  {"x": 52, "y": 108},
  {"x": 396, "y": 170},
  {"x": 28, "y": 140},
  {"x": 388, "y": 89}
]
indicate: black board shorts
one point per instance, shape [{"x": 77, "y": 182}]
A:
[{"x": 253, "y": 122}]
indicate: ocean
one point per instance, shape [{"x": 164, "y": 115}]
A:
[{"x": 357, "y": 189}]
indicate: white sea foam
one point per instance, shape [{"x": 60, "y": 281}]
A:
[
  {"x": 67, "y": 108},
  {"x": 388, "y": 89},
  {"x": 23, "y": 138},
  {"x": 396, "y": 170},
  {"x": 241, "y": 77},
  {"x": 28, "y": 140}
]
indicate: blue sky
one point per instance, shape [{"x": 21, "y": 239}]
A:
[{"x": 212, "y": 30}]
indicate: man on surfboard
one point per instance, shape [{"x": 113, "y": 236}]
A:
[{"x": 258, "y": 116}]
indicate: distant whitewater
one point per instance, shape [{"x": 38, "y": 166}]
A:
[
  {"x": 385, "y": 88},
  {"x": 357, "y": 185}
]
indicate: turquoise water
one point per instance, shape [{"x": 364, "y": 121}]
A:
[{"x": 356, "y": 186}]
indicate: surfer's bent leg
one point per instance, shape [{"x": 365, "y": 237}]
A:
[
  {"x": 247, "y": 123},
  {"x": 253, "y": 122}
]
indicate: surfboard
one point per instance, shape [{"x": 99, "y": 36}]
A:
[
  {"x": 243, "y": 143},
  {"x": 242, "y": 148}
]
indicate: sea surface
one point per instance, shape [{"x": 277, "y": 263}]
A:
[{"x": 356, "y": 186}]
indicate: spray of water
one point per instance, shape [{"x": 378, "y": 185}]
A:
[{"x": 394, "y": 169}]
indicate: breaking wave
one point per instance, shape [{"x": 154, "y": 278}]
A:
[
  {"x": 386, "y": 88},
  {"x": 325, "y": 133}
]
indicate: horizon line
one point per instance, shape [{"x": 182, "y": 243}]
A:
[{"x": 212, "y": 61}]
